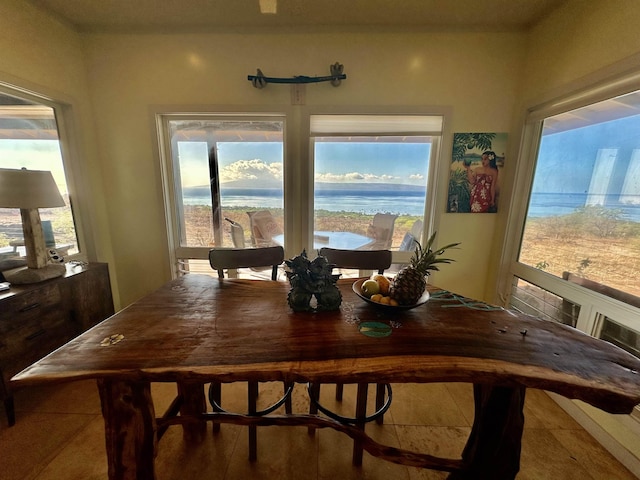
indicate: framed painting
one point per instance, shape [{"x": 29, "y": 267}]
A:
[{"x": 474, "y": 176}]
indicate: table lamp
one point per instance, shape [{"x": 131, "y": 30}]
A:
[{"x": 29, "y": 190}]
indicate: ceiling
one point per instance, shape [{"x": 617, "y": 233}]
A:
[{"x": 180, "y": 16}]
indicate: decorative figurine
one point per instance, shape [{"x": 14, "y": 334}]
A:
[{"x": 309, "y": 278}]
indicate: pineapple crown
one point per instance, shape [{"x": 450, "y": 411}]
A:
[{"x": 426, "y": 259}]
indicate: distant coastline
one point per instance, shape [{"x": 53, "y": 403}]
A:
[{"x": 402, "y": 199}]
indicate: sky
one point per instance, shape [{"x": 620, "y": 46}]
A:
[
  {"x": 34, "y": 155},
  {"x": 604, "y": 156},
  {"x": 338, "y": 162}
]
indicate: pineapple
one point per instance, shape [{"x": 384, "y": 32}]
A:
[{"x": 410, "y": 282}]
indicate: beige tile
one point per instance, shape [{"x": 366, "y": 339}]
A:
[
  {"x": 540, "y": 411},
  {"x": 82, "y": 458},
  {"x": 163, "y": 394},
  {"x": 35, "y": 440},
  {"x": 590, "y": 454},
  {"x": 425, "y": 404},
  {"x": 543, "y": 457},
  {"x": 444, "y": 442},
  {"x": 335, "y": 455},
  {"x": 284, "y": 453},
  {"x": 208, "y": 459},
  {"x": 462, "y": 394}
]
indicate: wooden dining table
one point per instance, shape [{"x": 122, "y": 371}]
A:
[{"x": 199, "y": 329}]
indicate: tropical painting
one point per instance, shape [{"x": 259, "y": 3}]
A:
[{"x": 474, "y": 182}]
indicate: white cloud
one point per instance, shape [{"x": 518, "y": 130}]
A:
[
  {"x": 255, "y": 170},
  {"x": 354, "y": 177},
  {"x": 416, "y": 176}
]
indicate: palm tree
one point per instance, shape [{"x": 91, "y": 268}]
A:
[{"x": 466, "y": 141}]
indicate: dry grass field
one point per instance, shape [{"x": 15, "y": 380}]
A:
[{"x": 613, "y": 259}]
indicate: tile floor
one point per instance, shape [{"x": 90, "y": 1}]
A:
[{"x": 59, "y": 436}]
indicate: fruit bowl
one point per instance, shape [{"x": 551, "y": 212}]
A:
[{"x": 357, "y": 288}]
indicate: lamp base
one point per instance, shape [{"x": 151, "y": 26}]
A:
[{"x": 34, "y": 275}]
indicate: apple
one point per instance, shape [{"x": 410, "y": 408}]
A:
[{"x": 370, "y": 287}]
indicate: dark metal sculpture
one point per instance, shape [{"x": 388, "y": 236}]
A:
[
  {"x": 260, "y": 81},
  {"x": 309, "y": 278}
]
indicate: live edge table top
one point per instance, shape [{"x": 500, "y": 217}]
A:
[{"x": 200, "y": 328}]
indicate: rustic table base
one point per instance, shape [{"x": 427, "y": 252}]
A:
[{"x": 492, "y": 451}]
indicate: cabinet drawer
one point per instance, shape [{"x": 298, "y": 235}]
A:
[{"x": 27, "y": 307}]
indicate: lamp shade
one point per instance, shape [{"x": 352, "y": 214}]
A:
[{"x": 28, "y": 189}]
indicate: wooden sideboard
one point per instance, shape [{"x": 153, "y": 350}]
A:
[{"x": 36, "y": 319}]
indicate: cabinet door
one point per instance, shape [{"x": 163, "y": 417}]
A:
[
  {"x": 91, "y": 299},
  {"x": 32, "y": 324}
]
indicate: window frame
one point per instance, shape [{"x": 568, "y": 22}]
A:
[
  {"x": 64, "y": 117},
  {"x": 297, "y": 168},
  {"x": 162, "y": 116},
  {"x": 302, "y": 239},
  {"x": 593, "y": 305}
]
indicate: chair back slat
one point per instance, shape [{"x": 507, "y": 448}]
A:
[
  {"x": 225, "y": 258},
  {"x": 378, "y": 260}
]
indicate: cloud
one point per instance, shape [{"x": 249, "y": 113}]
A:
[
  {"x": 416, "y": 176},
  {"x": 255, "y": 170},
  {"x": 355, "y": 177}
]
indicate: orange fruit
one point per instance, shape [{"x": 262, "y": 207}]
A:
[
  {"x": 383, "y": 282},
  {"x": 376, "y": 297}
]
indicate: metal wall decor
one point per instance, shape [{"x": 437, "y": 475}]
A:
[{"x": 260, "y": 80}]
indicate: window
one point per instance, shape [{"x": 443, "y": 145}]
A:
[
  {"x": 226, "y": 178},
  {"x": 29, "y": 138},
  {"x": 370, "y": 179},
  {"x": 583, "y": 216},
  {"x": 225, "y": 183},
  {"x": 577, "y": 256}
]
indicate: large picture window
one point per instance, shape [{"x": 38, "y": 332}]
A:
[
  {"x": 29, "y": 138},
  {"x": 225, "y": 185},
  {"x": 583, "y": 216},
  {"x": 578, "y": 255},
  {"x": 371, "y": 175}
]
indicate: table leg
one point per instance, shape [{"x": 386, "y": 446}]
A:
[
  {"x": 493, "y": 449},
  {"x": 193, "y": 402},
  {"x": 361, "y": 412},
  {"x": 130, "y": 429},
  {"x": 9, "y": 408}
]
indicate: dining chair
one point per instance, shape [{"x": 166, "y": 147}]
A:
[
  {"x": 237, "y": 234},
  {"x": 381, "y": 232},
  {"x": 263, "y": 228},
  {"x": 416, "y": 230},
  {"x": 373, "y": 260},
  {"x": 222, "y": 259}
]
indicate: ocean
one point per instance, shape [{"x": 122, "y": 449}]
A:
[
  {"x": 544, "y": 204},
  {"x": 367, "y": 202},
  {"x": 410, "y": 202}
]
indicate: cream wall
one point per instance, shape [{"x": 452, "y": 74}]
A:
[
  {"x": 39, "y": 54},
  {"x": 473, "y": 73},
  {"x": 585, "y": 37}
]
